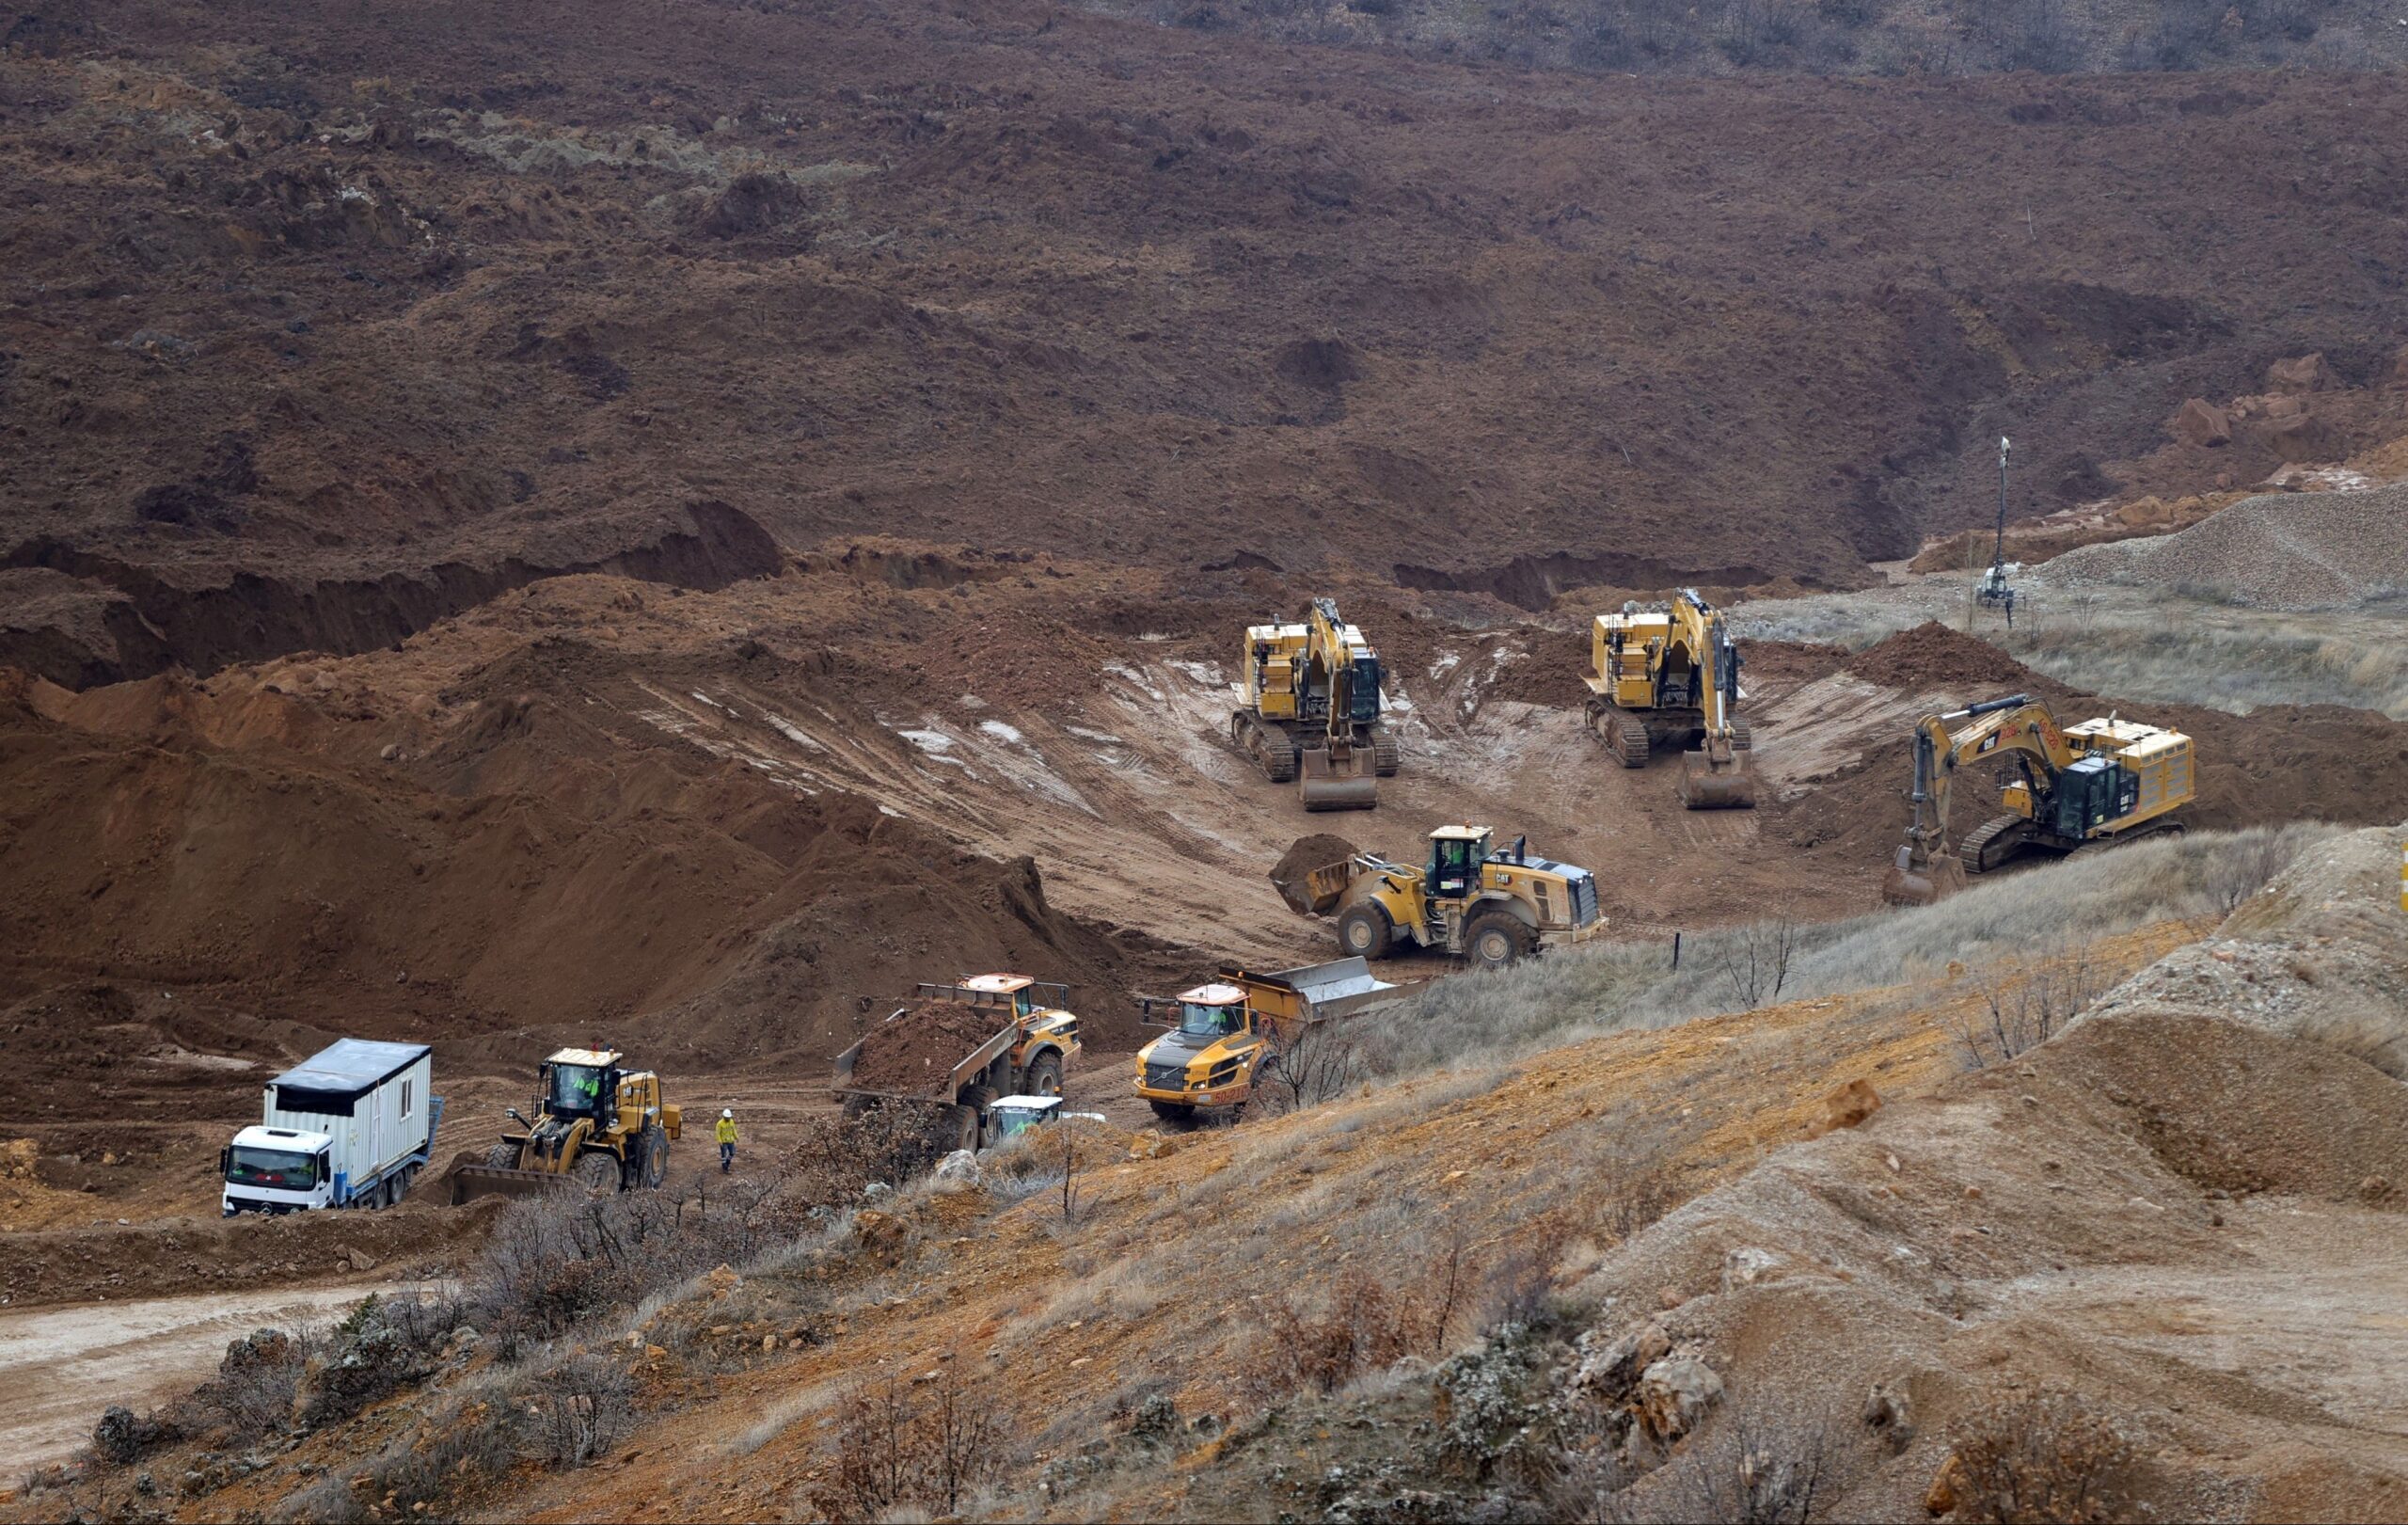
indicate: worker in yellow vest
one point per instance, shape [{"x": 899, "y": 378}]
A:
[{"x": 726, "y": 1139}]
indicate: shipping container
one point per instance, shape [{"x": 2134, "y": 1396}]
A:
[{"x": 349, "y": 1128}]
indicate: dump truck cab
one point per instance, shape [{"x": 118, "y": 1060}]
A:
[
  {"x": 1208, "y": 1057},
  {"x": 1048, "y": 1030}
]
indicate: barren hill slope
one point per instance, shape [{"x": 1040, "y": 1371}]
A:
[{"x": 324, "y": 325}]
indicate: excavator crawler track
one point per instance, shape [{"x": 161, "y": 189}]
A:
[
  {"x": 1992, "y": 843},
  {"x": 1384, "y": 747}
]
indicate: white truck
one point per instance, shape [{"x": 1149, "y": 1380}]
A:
[{"x": 350, "y": 1128}]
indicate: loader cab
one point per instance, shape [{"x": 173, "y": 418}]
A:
[
  {"x": 582, "y": 1083},
  {"x": 1456, "y": 853}
]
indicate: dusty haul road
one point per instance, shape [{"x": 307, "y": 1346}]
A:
[{"x": 57, "y": 1363}]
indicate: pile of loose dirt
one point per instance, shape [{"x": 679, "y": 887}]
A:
[
  {"x": 913, "y": 1052},
  {"x": 2285, "y": 551},
  {"x": 1933, "y": 656}
]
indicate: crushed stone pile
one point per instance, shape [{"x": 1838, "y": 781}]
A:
[
  {"x": 2282, "y": 551},
  {"x": 914, "y": 1051}
]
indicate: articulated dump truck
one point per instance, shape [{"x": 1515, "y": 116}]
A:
[
  {"x": 960, "y": 1050},
  {"x": 1229, "y": 1033}
]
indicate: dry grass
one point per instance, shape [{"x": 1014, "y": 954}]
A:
[{"x": 1585, "y": 992}]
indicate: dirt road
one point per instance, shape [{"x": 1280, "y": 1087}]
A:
[{"x": 59, "y": 1365}]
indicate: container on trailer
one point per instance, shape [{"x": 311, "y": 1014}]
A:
[{"x": 350, "y": 1127}]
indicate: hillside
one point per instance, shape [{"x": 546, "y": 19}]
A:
[{"x": 324, "y": 325}]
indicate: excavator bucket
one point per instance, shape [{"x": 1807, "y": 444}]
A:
[
  {"x": 1908, "y": 882},
  {"x": 1313, "y": 874},
  {"x": 469, "y": 1180},
  {"x": 1330, "y": 783},
  {"x": 1707, "y": 784}
]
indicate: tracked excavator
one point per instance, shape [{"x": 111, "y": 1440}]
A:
[
  {"x": 1312, "y": 709},
  {"x": 2107, "y": 780},
  {"x": 1668, "y": 676}
]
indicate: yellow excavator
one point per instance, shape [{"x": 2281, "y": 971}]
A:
[
  {"x": 2107, "y": 780},
  {"x": 1312, "y": 709},
  {"x": 1487, "y": 907},
  {"x": 1670, "y": 677}
]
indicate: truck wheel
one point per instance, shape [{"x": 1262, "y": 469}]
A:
[
  {"x": 1045, "y": 1076},
  {"x": 502, "y": 1157},
  {"x": 655, "y": 1155},
  {"x": 1364, "y": 931},
  {"x": 1495, "y": 941},
  {"x": 1172, "y": 1111},
  {"x": 597, "y": 1170}
]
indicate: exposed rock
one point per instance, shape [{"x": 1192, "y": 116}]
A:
[
  {"x": 1674, "y": 1394},
  {"x": 1148, "y": 1145},
  {"x": 1886, "y": 1410},
  {"x": 2199, "y": 421},
  {"x": 1846, "y": 1107},
  {"x": 956, "y": 1172},
  {"x": 1746, "y": 1265},
  {"x": 2302, "y": 374}
]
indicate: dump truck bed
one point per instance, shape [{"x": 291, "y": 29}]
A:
[
  {"x": 963, "y": 1072},
  {"x": 1314, "y": 992}
]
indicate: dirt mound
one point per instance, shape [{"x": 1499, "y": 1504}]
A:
[
  {"x": 2286, "y": 550},
  {"x": 1304, "y": 857},
  {"x": 913, "y": 1052},
  {"x": 1933, "y": 656}
]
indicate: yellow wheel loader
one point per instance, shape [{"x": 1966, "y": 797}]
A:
[
  {"x": 2105, "y": 780},
  {"x": 1488, "y": 907},
  {"x": 1666, "y": 677},
  {"x": 1311, "y": 709},
  {"x": 1223, "y": 1034},
  {"x": 598, "y": 1126}
]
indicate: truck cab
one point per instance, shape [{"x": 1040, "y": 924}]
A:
[
  {"x": 276, "y": 1170},
  {"x": 1048, "y": 1030},
  {"x": 1207, "y": 1058}
]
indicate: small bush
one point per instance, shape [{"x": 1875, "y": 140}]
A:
[
  {"x": 2043, "y": 1459},
  {"x": 896, "y": 1450},
  {"x": 367, "y": 1358},
  {"x": 2058, "y": 983},
  {"x": 583, "y": 1408},
  {"x": 254, "y": 1391}
]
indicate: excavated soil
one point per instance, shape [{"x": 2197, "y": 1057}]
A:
[
  {"x": 292, "y": 364},
  {"x": 913, "y": 1052}
]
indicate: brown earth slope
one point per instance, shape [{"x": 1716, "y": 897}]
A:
[{"x": 323, "y": 324}]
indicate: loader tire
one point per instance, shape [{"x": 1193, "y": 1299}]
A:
[
  {"x": 1497, "y": 941},
  {"x": 598, "y": 1171},
  {"x": 502, "y": 1157},
  {"x": 1365, "y": 932},
  {"x": 1045, "y": 1076},
  {"x": 655, "y": 1169}
]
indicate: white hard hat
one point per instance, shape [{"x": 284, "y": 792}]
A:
[{"x": 727, "y": 1111}]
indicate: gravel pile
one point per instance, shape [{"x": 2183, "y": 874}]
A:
[{"x": 2284, "y": 551}]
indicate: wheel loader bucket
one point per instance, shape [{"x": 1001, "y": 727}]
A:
[
  {"x": 1313, "y": 875},
  {"x": 470, "y": 1182},
  {"x": 1909, "y": 884},
  {"x": 1708, "y": 785},
  {"x": 1325, "y": 787}
]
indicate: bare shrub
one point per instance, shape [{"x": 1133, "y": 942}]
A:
[
  {"x": 415, "y": 1473},
  {"x": 553, "y": 1262},
  {"x": 1366, "y": 1325},
  {"x": 2060, "y": 981},
  {"x": 583, "y": 1408},
  {"x": 2247, "y": 866},
  {"x": 895, "y": 1450},
  {"x": 837, "y": 1159},
  {"x": 252, "y": 1394},
  {"x": 1759, "y": 1467},
  {"x": 1754, "y": 961},
  {"x": 2047, "y": 1458},
  {"x": 1320, "y": 1063}
]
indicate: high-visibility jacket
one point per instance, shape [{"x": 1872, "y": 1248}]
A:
[{"x": 727, "y": 1129}]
